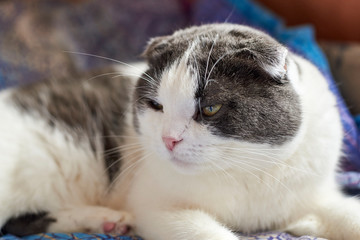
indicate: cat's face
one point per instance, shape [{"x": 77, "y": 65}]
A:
[{"x": 217, "y": 97}]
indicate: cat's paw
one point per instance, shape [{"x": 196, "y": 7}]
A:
[
  {"x": 118, "y": 228},
  {"x": 309, "y": 225},
  {"x": 116, "y": 222},
  {"x": 92, "y": 220}
]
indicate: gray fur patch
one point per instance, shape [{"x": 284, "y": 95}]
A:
[
  {"x": 86, "y": 107},
  {"x": 255, "y": 108},
  {"x": 233, "y": 63},
  {"x": 27, "y": 224}
]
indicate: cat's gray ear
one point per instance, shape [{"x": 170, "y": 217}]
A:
[
  {"x": 274, "y": 61},
  {"x": 155, "y": 47}
]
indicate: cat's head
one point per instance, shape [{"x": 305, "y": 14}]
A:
[{"x": 216, "y": 97}]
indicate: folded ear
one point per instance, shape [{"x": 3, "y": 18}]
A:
[
  {"x": 269, "y": 54},
  {"x": 155, "y": 47},
  {"x": 273, "y": 60}
]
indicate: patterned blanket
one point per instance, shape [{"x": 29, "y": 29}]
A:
[
  {"x": 36, "y": 37},
  {"x": 63, "y": 236},
  {"x": 82, "y": 236}
]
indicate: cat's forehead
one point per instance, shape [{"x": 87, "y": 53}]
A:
[
  {"x": 239, "y": 68},
  {"x": 225, "y": 35},
  {"x": 207, "y": 44}
]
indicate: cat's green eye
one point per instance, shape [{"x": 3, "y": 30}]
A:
[
  {"x": 211, "y": 110},
  {"x": 155, "y": 105}
]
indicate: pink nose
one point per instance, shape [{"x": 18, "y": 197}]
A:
[{"x": 170, "y": 142}]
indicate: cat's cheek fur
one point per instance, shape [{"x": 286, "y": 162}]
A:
[{"x": 150, "y": 135}]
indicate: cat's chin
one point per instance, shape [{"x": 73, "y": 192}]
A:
[{"x": 185, "y": 167}]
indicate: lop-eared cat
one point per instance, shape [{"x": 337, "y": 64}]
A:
[{"x": 222, "y": 130}]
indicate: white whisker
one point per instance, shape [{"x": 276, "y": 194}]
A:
[
  {"x": 222, "y": 170},
  {"x": 212, "y": 68},
  {"x": 235, "y": 164},
  {"x": 249, "y": 164},
  {"x": 126, "y": 171},
  {"x": 270, "y": 156},
  {"x": 208, "y": 59},
  {"x": 109, "y": 59},
  {"x": 102, "y": 75}
]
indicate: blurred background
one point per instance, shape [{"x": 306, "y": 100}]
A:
[
  {"x": 38, "y": 39},
  {"x": 333, "y": 20},
  {"x": 35, "y": 33},
  {"x": 337, "y": 26}
]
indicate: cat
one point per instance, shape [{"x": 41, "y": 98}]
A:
[{"x": 221, "y": 130}]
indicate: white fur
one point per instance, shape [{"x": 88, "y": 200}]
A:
[
  {"x": 191, "y": 192},
  {"x": 288, "y": 184},
  {"x": 44, "y": 169}
]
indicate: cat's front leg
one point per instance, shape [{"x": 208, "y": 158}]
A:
[
  {"x": 182, "y": 224},
  {"x": 91, "y": 219},
  {"x": 334, "y": 217}
]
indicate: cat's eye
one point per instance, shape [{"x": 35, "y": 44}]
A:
[
  {"x": 211, "y": 110},
  {"x": 155, "y": 105}
]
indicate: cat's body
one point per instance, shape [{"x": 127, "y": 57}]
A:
[{"x": 226, "y": 131}]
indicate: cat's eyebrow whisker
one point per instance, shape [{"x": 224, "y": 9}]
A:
[
  {"x": 120, "y": 74},
  {"x": 148, "y": 89},
  {"x": 109, "y": 59},
  {"x": 193, "y": 54},
  {"x": 196, "y": 64},
  {"x": 212, "y": 68},
  {"x": 208, "y": 59},
  {"x": 146, "y": 92},
  {"x": 230, "y": 15},
  {"x": 101, "y": 75}
]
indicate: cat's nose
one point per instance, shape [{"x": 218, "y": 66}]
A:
[{"x": 170, "y": 142}]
